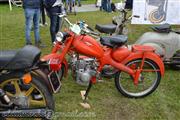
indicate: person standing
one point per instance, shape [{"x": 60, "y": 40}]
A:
[
  {"x": 109, "y": 9},
  {"x": 43, "y": 16},
  {"x": 129, "y": 4},
  {"x": 79, "y": 3},
  {"x": 32, "y": 15},
  {"x": 106, "y": 5},
  {"x": 52, "y": 10}
]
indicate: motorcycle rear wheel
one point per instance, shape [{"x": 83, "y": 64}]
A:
[
  {"x": 27, "y": 93},
  {"x": 148, "y": 81}
]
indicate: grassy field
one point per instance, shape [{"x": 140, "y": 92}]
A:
[{"x": 106, "y": 102}]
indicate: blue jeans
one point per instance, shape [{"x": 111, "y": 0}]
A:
[
  {"x": 79, "y": 1},
  {"x": 67, "y": 1},
  {"x": 106, "y": 5},
  {"x": 32, "y": 15},
  {"x": 109, "y": 9}
]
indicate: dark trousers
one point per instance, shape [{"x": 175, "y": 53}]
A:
[
  {"x": 55, "y": 21},
  {"x": 106, "y": 5},
  {"x": 54, "y": 26},
  {"x": 43, "y": 18}
]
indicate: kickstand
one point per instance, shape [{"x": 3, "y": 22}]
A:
[
  {"x": 87, "y": 92},
  {"x": 85, "y": 104}
]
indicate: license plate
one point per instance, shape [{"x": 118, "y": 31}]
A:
[{"x": 54, "y": 81}]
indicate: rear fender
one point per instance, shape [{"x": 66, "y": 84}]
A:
[
  {"x": 148, "y": 55},
  {"x": 55, "y": 55},
  {"x": 42, "y": 77},
  {"x": 158, "y": 48}
]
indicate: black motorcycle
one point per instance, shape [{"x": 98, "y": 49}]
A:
[{"x": 24, "y": 91}]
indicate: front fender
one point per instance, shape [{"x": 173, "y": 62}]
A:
[
  {"x": 148, "y": 55},
  {"x": 55, "y": 55}
]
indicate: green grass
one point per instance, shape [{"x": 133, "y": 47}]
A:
[{"x": 106, "y": 102}]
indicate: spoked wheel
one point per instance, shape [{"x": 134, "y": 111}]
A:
[
  {"x": 148, "y": 81},
  {"x": 33, "y": 95}
]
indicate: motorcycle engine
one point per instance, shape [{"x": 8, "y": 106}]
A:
[{"x": 83, "y": 69}]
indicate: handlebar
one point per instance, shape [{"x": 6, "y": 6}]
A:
[
  {"x": 62, "y": 15},
  {"x": 83, "y": 26}
]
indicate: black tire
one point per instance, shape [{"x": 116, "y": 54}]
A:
[
  {"x": 39, "y": 88},
  {"x": 142, "y": 93}
]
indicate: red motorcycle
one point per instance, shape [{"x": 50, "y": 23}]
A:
[{"x": 139, "y": 69}]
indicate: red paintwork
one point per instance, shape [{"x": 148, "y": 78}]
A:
[
  {"x": 148, "y": 55},
  {"x": 142, "y": 48},
  {"x": 55, "y": 64},
  {"x": 88, "y": 46},
  {"x": 117, "y": 57},
  {"x": 120, "y": 54},
  {"x": 56, "y": 47},
  {"x": 56, "y": 56}
]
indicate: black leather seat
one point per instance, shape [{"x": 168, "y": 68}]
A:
[
  {"x": 20, "y": 59},
  {"x": 114, "y": 41},
  {"x": 6, "y": 57},
  {"x": 108, "y": 29},
  {"x": 165, "y": 28}
]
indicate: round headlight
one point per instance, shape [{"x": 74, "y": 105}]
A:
[{"x": 59, "y": 36}]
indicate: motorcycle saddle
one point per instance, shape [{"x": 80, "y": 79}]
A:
[
  {"x": 165, "y": 28},
  {"x": 19, "y": 59},
  {"x": 6, "y": 57},
  {"x": 114, "y": 41},
  {"x": 108, "y": 29}
]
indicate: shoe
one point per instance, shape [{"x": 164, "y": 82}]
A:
[
  {"x": 40, "y": 45},
  {"x": 46, "y": 24},
  {"x": 41, "y": 25},
  {"x": 79, "y": 5},
  {"x": 38, "y": 97},
  {"x": 29, "y": 43}
]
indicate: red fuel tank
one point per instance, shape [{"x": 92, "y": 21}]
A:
[
  {"x": 88, "y": 46},
  {"x": 120, "y": 54}
]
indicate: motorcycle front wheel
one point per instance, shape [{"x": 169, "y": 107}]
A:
[
  {"x": 148, "y": 81},
  {"x": 29, "y": 96}
]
